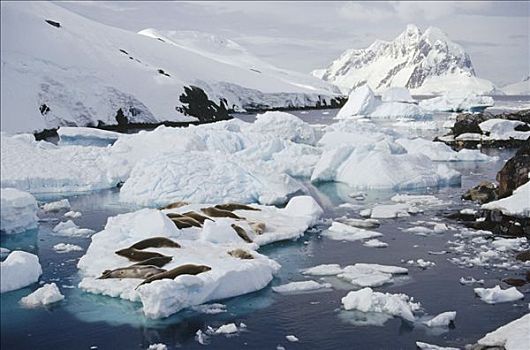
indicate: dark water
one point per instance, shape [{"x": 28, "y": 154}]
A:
[{"x": 83, "y": 320}]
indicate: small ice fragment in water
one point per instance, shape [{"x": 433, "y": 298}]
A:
[
  {"x": 158, "y": 346},
  {"x": 302, "y": 286},
  {"x": 56, "y": 206},
  {"x": 291, "y": 338},
  {"x": 227, "y": 329},
  {"x": 470, "y": 280},
  {"x": 72, "y": 214},
  {"x": 47, "y": 294},
  {"x": 66, "y": 248},
  {"x": 441, "y": 320}
]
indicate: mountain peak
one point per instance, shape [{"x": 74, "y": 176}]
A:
[{"x": 414, "y": 60}]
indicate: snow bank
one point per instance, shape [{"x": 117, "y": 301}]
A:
[
  {"x": 228, "y": 277},
  {"x": 497, "y": 295},
  {"x": 366, "y": 300},
  {"x": 397, "y": 94},
  {"x": 512, "y": 336},
  {"x": 45, "y": 295},
  {"x": 502, "y": 129},
  {"x": 19, "y": 211},
  {"x": 518, "y": 204},
  {"x": 457, "y": 101},
  {"x": 360, "y": 102},
  {"x": 303, "y": 286},
  {"x": 18, "y": 270}
]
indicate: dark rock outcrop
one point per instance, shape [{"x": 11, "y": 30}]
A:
[
  {"x": 484, "y": 192},
  {"x": 515, "y": 171},
  {"x": 195, "y": 102},
  {"x": 468, "y": 123},
  {"x": 523, "y": 256}
]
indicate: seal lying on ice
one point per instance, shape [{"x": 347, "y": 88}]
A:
[
  {"x": 216, "y": 212},
  {"x": 174, "y": 205},
  {"x": 241, "y": 233},
  {"x": 133, "y": 271},
  {"x": 241, "y": 254},
  {"x": 184, "y": 221},
  {"x": 187, "y": 269},
  {"x": 138, "y": 255},
  {"x": 155, "y": 242},
  {"x": 234, "y": 206},
  {"x": 194, "y": 215},
  {"x": 156, "y": 261}
]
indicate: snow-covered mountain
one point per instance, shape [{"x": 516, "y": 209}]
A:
[
  {"x": 520, "y": 88},
  {"x": 59, "y": 68},
  {"x": 424, "y": 62}
]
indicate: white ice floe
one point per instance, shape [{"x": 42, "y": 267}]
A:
[
  {"x": 284, "y": 126},
  {"x": 439, "y": 151},
  {"x": 302, "y": 286},
  {"x": 201, "y": 337},
  {"x": 45, "y": 295},
  {"x": 469, "y": 281},
  {"x": 390, "y": 211},
  {"x": 360, "y": 223},
  {"x": 56, "y": 206},
  {"x": 225, "y": 279},
  {"x": 375, "y": 243},
  {"x": 396, "y": 110},
  {"x": 518, "y": 204},
  {"x": 72, "y": 214},
  {"x": 157, "y": 346},
  {"x": 418, "y": 200},
  {"x": 229, "y": 328},
  {"x": 19, "y": 270},
  {"x": 360, "y": 102},
  {"x": 457, "y": 101},
  {"x": 366, "y": 300},
  {"x": 512, "y": 336},
  {"x": 342, "y": 232},
  {"x": 441, "y": 320},
  {"x": 502, "y": 129},
  {"x": 423, "y": 264},
  {"x": 19, "y": 211},
  {"x": 70, "y": 229},
  {"x": 497, "y": 295},
  {"x": 291, "y": 338},
  {"x": 323, "y": 270},
  {"x": 426, "y": 346},
  {"x": 67, "y": 248}
]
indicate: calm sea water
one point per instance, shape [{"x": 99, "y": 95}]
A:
[{"x": 84, "y": 320}]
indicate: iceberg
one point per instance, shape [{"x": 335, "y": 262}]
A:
[
  {"x": 18, "y": 270},
  {"x": 457, "y": 101},
  {"x": 397, "y": 94},
  {"x": 497, "y": 295},
  {"x": 19, "y": 211},
  {"x": 360, "y": 102},
  {"x": 512, "y": 336},
  {"x": 45, "y": 295}
]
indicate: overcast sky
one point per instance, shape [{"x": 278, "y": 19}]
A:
[{"x": 303, "y": 36}]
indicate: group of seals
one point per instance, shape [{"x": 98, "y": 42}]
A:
[
  {"x": 135, "y": 252},
  {"x": 187, "y": 269}
]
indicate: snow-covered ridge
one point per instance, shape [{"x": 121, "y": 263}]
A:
[
  {"x": 425, "y": 62},
  {"x": 519, "y": 88},
  {"x": 73, "y": 71}
]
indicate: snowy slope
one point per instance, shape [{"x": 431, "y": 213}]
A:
[
  {"x": 520, "y": 88},
  {"x": 424, "y": 62},
  {"x": 75, "y": 72}
]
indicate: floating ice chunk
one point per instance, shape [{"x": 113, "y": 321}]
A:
[
  {"x": 360, "y": 223},
  {"x": 441, "y": 320},
  {"x": 375, "y": 243},
  {"x": 425, "y": 200},
  {"x": 229, "y": 328},
  {"x": 507, "y": 244},
  {"x": 497, "y": 295},
  {"x": 439, "y": 151},
  {"x": 305, "y": 206},
  {"x": 158, "y": 346},
  {"x": 210, "y": 309},
  {"x": 360, "y": 102},
  {"x": 19, "y": 270},
  {"x": 421, "y": 263},
  {"x": 302, "y": 286},
  {"x": 468, "y": 211},
  {"x": 426, "y": 346},
  {"x": 366, "y": 300},
  {"x": 390, "y": 211},
  {"x": 341, "y": 232},
  {"x": 515, "y": 205},
  {"x": 394, "y": 270},
  {"x": 202, "y": 177},
  {"x": 285, "y": 126},
  {"x": 397, "y": 94},
  {"x": 370, "y": 275},
  {"x": 72, "y": 214},
  {"x": 70, "y": 229},
  {"x": 201, "y": 337},
  {"x": 457, "y": 102},
  {"x": 56, "y": 206},
  {"x": 4, "y": 251},
  {"x": 66, "y": 248},
  {"x": 291, "y": 338},
  {"x": 470, "y": 280},
  {"x": 47, "y": 294},
  {"x": 19, "y": 211},
  {"x": 512, "y": 336},
  {"x": 395, "y": 110},
  {"x": 323, "y": 270}
]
